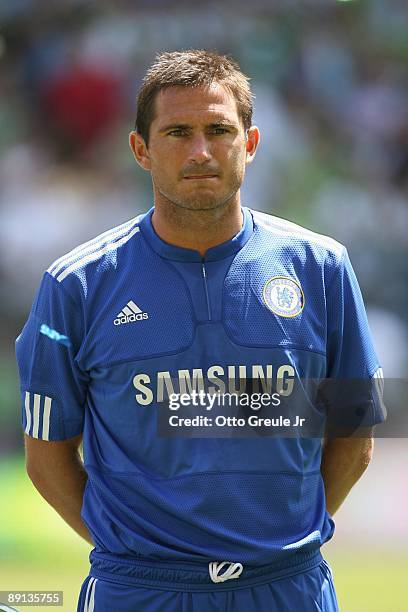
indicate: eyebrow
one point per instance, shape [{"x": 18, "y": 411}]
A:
[
  {"x": 186, "y": 126},
  {"x": 174, "y": 126}
]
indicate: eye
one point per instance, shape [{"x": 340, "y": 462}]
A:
[
  {"x": 178, "y": 132},
  {"x": 220, "y": 130}
]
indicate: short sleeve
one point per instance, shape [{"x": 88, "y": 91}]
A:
[
  {"x": 354, "y": 384},
  {"x": 53, "y": 387}
]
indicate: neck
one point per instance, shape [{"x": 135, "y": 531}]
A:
[{"x": 198, "y": 230}]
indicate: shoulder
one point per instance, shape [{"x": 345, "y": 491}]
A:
[
  {"x": 92, "y": 252},
  {"x": 293, "y": 236}
]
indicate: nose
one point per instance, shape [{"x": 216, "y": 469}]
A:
[{"x": 200, "y": 150}]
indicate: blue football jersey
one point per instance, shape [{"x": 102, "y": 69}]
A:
[{"x": 125, "y": 320}]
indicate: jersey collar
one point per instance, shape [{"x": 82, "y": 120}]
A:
[{"x": 176, "y": 253}]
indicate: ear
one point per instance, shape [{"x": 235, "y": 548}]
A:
[
  {"x": 252, "y": 142},
  {"x": 139, "y": 150}
]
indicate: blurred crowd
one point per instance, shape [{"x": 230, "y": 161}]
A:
[{"x": 331, "y": 102}]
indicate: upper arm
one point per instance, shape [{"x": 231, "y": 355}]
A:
[
  {"x": 350, "y": 451},
  {"x": 53, "y": 386},
  {"x": 42, "y": 455},
  {"x": 353, "y": 387}
]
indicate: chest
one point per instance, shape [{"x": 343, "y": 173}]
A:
[{"x": 156, "y": 309}]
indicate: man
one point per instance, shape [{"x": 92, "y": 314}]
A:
[{"x": 197, "y": 293}]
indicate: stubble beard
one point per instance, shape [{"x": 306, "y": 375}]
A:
[{"x": 197, "y": 202}]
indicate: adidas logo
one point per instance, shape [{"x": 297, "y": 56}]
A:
[{"x": 129, "y": 314}]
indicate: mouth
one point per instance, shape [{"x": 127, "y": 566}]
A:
[{"x": 200, "y": 177}]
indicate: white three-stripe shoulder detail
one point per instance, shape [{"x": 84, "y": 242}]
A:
[
  {"x": 90, "y": 246},
  {"x": 85, "y": 259},
  {"x": 282, "y": 227}
]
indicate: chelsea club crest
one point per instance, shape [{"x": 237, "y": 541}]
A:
[{"x": 283, "y": 296}]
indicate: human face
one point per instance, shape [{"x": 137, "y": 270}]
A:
[{"x": 197, "y": 149}]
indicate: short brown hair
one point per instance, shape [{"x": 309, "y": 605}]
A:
[{"x": 191, "y": 68}]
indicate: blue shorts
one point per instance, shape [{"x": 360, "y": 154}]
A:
[{"x": 163, "y": 591}]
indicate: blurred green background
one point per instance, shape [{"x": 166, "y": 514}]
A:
[{"x": 332, "y": 106}]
